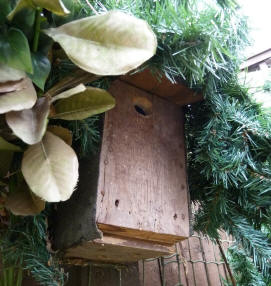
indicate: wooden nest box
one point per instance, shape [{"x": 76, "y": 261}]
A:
[{"x": 132, "y": 198}]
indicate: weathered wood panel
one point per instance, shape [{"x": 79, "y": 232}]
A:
[
  {"x": 177, "y": 93},
  {"x": 103, "y": 275},
  {"x": 118, "y": 250},
  {"x": 142, "y": 184}
]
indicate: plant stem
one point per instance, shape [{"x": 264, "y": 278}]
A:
[
  {"x": 226, "y": 263},
  {"x": 35, "y": 43}
]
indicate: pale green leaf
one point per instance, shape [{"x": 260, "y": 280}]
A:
[
  {"x": 63, "y": 133},
  {"x": 82, "y": 105},
  {"x": 10, "y": 86},
  {"x": 18, "y": 100},
  {"x": 50, "y": 169},
  {"x": 10, "y": 74},
  {"x": 68, "y": 93},
  {"x": 55, "y": 6},
  {"x": 6, "y": 146},
  {"x": 23, "y": 202},
  {"x": 110, "y": 44},
  {"x": 30, "y": 124}
]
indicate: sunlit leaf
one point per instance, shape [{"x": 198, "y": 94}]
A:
[
  {"x": 24, "y": 202},
  {"x": 50, "y": 169},
  {"x": 41, "y": 67},
  {"x": 10, "y": 86},
  {"x": 30, "y": 124},
  {"x": 68, "y": 93},
  {"x": 6, "y": 146},
  {"x": 18, "y": 100},
  {"x": 10, "y": 74},
  {"x": 110, "y": 44},
  {"x": 14, "y": 50},
  {"x": 64, "y": 133},
  {"x": 82, "y": 105},
  {"x": 55, "y": 6}
]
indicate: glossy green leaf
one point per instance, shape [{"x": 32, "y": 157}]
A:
[
  {"x": 30, "y": 124},
  {"x": 6, "y": 146},
  {"x": 50, "y": 169},
  {"x": 55, "y": 6},
  {"x": 14, "y": 50},
  {"x": 10, "y": 74},
  {"x": 41, "y": 69},
  {"x": 18, "y": 100},
  {"x": 23, "y": 202},
  {"x": 109, "y": 44},
  {"x": 25, "y": 21},
  {"x": 82, "y": 105}
]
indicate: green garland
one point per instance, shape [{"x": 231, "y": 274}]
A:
[
  {"x": 244, "y": 271},
  {"x": 228, "y": 138},
  {"x": 26, "y": 244}
]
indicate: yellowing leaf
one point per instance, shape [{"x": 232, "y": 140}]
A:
[
  {"x": 50, "y": 169},
  {"x": 55, "y": 6},
  {"x": 6, "y": 146},
  {"x": 20, "y": 99},
  {"x": 64, "y": 133},
  {"x": 82, "y": 105},
  {"x": 30, "y": 124},
  {"x": 110, "y": 44},
  {"x": 68, "y": 93},
  {"x": 23, "y": 202},
  {"x": 10, "y": 74}
]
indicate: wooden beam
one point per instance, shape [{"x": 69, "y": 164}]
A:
[{"x": 113, "y": 249}]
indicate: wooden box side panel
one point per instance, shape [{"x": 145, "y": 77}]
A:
[
  {"x": 113, "y": 249},
  {"x": 142, "y": 183}
]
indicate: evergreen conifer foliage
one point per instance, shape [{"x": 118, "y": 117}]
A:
[
  {"x": 228, "y": 137},
  {"x": 245, "y": 272}
]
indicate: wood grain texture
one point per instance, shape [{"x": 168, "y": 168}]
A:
[
  {"x": 142, "y": 183},
  {"x": 177, "y": 93},
  {"x": 118, "y": 250},
  {"x": 165, "y": 239},
  {"x": 212, "y": 269}
]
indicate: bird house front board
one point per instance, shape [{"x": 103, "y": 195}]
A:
[{"x": 132, "y": 200}]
